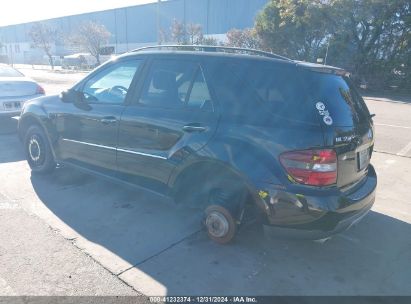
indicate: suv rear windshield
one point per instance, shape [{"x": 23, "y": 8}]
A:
[
  {"x": 257, "y": 86},
  {"x": 343, "y": 102}
]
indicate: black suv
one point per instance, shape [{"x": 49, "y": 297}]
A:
[{"x": 245, "y": 135}]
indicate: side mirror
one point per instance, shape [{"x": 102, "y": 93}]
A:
[{"x": 71, "y": 96}]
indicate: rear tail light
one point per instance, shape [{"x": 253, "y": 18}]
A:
[
  {"x": 40, "y": 90},
  {"x": 311, "y": 167}
]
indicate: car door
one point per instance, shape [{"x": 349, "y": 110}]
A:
[
  {"x": 172, "y": 117},
  {"x": 88, "y": 128}
]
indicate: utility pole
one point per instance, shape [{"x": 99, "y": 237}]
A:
[
  {"x": 125, "y": 15},
  {"x": 326, "y": 53},
  {"x": 158, "y": 22},
  {"x": 11, "y": 54},
  {"x": 115, "y": 27}
]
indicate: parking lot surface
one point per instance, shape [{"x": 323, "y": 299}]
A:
[{"x": 70, "y": 233}]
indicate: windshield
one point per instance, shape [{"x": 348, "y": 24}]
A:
[{"x": 6, "y": 71}]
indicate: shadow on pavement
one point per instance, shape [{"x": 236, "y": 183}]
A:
[
  {"x": 132, "y": 224},
  {"x": 172, "y": 255},
  {"x": 10, "y": 146},
  {"x": 8, "y": 125}
]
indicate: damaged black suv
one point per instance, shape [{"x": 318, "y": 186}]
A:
[{"x": 240, "y": 133}]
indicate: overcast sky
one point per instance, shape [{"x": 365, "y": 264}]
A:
[{"x": 19, "y": 11}]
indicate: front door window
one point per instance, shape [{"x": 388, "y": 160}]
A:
[{"x": 111, "y": 85}]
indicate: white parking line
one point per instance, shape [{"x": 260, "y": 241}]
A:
[
  {"x": 393, "y": 126},
  {"x": 384, "y": 100},
  {"x": 405, "y": 150}
]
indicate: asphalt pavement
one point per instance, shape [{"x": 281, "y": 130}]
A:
[{"x": 74, "y": 234}]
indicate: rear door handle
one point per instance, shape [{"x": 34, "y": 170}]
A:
[
  {"x": 194, "y": 128},
  {"x": 108, "y": 120}
]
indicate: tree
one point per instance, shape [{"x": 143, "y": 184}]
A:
[
  {"x": 369, "y": 38},
  {"x": 43, "y": 37},
  {"x": 210, "y": 41},
  {"x": 194, "y": 33},
  {"x": 189, "y": 34},
  {"x": 91, "y": 36},
  {"x": 163, "y": 36},
  {"x": 372, "y": 38},
  {"x": 246, "y": 38},
  {"x": 294, "y": 28},
  {"x": 178, "y": 32}
]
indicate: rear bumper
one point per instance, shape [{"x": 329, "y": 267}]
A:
[
  {"x": 317, "y": 234},
  {"x": 9, "y": 114},
  {"x": 319, "y": 213}
]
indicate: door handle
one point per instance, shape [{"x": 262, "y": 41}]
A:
[
  {"x": 194, "y": 128},
  {"x": 108, "y": 120}
]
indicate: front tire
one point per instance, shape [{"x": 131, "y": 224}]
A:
[
  {"x": 220, "y": 224},
  {"x": 38, "y": 151}
]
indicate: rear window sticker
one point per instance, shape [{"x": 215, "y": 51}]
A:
[{"x": 324, "y": 112}]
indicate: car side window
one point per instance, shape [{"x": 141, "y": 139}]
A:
[
  {"x": 175, "y": 84},
  {"x": 230, "y": 88},
  {"x": 111, "y": 85},
  {"x": 199, "y": 97}
]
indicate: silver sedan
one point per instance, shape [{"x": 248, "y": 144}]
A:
[{"x": 15, "y": 89}]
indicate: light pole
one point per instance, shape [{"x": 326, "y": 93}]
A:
[
  {"x": 326, "y": 52},
  {"x": 158, "y": 22}
]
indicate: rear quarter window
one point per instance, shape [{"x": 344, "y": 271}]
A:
[{"x": 244, "y": 88}]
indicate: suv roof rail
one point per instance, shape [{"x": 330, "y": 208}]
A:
[{"x": 212, "y": 48}]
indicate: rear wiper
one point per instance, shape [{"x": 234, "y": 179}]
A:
[{"x": 372, "y": 115}]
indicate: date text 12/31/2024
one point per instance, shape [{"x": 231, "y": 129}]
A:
[{"x": 200, "y": 299}]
